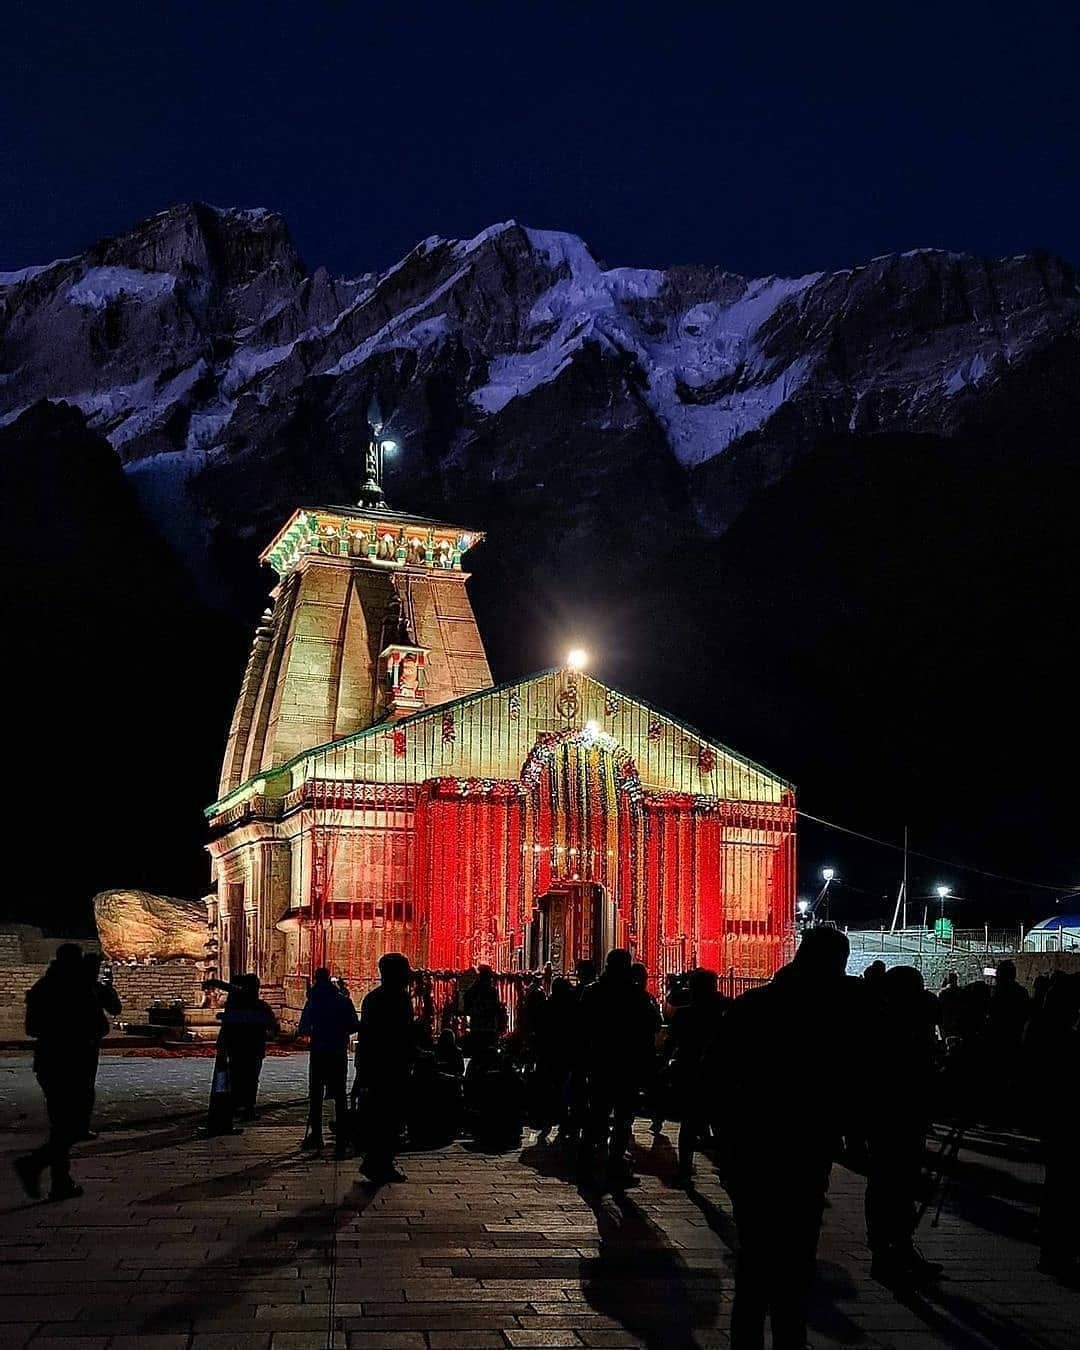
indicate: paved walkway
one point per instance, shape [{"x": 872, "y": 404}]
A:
[
  {"x": 182, "y": 1243},
  {"x": 141, "y": 1087}
]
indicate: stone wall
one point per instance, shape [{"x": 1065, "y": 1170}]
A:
[
  {"x": 969, "y": 966},
  {"x": 138, "y": 987},
  {"x": 15, "y": 980}
]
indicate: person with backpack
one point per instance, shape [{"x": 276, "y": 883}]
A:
[
  {"x": 328, "y": 1020},
  {"x": 64, "y": 1016}
]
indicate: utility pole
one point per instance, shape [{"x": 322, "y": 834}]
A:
[
  {"x": 905, "y": 874},
  {"x": 901, "y": 894}
]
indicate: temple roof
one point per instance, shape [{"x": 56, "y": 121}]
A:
[
  {"x": 325, "y": 529},
  {"x": 595, "y": 696}
]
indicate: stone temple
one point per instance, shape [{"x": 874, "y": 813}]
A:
[{"x": 380, "y": 793}]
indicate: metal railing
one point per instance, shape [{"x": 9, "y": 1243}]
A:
[{"x": 986, "y": 940}]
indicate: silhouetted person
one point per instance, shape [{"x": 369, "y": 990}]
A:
[
  {"x": 788, "y": 1048},
  {"x": 1052, "y": 1053},
  {"x": 435, "y": 1090},
  {"x": 1010, "y": 1006},
  {"x": 901, "y": 1068},
  {"x": 448, "y": 1056},
  {"x": 246, "y": 1022},
  {"x": 485, "y": 1011},
  {"x": 385, "y": 1049},
  {"x": 617, "y": 1031},
  {"x": 556, "y": 1055},
  {"x": 328, "y": 1019},
  {"x": 692, "y": 1037},
  {"x": 63, "y": 1015},
  {"x": 530, "y": 1013},
  {"x": 101, "y": 980},
  {"x": 949, "y": 1007},
  {"x": 576, "y": 1095},
  {"x": 652, "y": 1085},
  {"x": 585, "y": 973}
]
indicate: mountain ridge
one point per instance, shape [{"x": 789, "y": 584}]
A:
[{"x": 811, "y": 515}]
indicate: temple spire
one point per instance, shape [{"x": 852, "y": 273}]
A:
[{"x": 371, "y": 491}]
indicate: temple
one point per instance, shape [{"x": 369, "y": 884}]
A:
[{"x": 379, "y": 793}]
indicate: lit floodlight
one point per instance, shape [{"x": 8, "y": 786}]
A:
[
  {"x": 576, "y": 659},
  {"x": 942, "y": 891},
  {"x": 388, "y": 447},
  {"x": 804, "y": 905},
  {"x": 828, "y": 873}
]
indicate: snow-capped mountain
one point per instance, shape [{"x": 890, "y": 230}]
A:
[
  {"x": 830, "y": 518},
  {"x": 215, "y": 362}
]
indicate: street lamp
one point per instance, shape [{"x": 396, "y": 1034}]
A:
[
  {"x": 942, "y": 895},
  {"x": 827, "y": 875},
  {"x": 386, "y": 447}
]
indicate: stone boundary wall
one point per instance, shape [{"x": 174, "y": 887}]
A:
[
  {"x": 138, "y": 987},
  {"x": 968, "y": 965}
]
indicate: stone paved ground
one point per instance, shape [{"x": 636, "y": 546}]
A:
[
  {"x": 131, "y": 1088},
  {"x": 182, "y": 1243}
]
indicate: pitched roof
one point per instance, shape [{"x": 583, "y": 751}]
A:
[{"x": 438, "y": 711}]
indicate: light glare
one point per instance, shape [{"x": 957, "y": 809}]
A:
[{"x": 577, "y": 659}]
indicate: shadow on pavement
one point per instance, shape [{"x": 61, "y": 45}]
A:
[
  {"x": 963, "y": 1323},
  {"x": 260, "y": 1254},
  {"x": 639, "y": 1280}
]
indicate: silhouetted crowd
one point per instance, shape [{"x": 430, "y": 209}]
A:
[{"x": 777, "y": 1084}]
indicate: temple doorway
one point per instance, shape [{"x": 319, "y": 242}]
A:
[{"x": 574, "y": 921}]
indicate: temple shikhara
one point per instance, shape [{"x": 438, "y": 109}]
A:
[{"x": 379, "y": 793}]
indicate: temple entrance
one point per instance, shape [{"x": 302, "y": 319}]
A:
[{"x": 574, "y": 921}]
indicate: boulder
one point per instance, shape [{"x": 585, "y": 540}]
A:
[{"x": 137, "y": 925}]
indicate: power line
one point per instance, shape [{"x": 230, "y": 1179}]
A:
[{"x": 1064, "y": 892}]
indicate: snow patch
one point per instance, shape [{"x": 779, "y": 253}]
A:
[
  {"x": 696, "y": 349},
  {"x": 144, "y": 417},
  {"x": 206, "y": 425},
  {"x": 464, "y": 247},
  {"x": 26, "y": 273},
  {"x": 563, "y": 249},
  {"x": 966, "y": 373},
  {"x": 253, "y": 214},
  {"x": 100, "y": 285},
  {"x": 245, "y": 364},
  {"x": 395, "y": 333}
]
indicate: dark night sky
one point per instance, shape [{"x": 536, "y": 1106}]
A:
[{"x": 763, "y": 137}]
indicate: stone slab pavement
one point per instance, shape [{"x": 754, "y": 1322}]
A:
[
  {"x": 242, "y": 1243},
  {"x": 141, "y": 1087}
]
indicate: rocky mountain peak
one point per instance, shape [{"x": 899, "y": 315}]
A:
[
  {"x": 230, "y": 246},
  {"x": 212, "y": 359}
]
